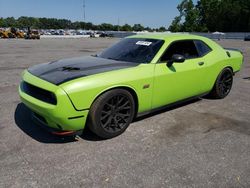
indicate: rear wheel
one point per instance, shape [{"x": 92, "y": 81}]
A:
[
  {"x": 111, "y": 113},
  {"x": 223, "y": 84}
]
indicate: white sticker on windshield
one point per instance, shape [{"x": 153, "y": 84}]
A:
[{"x": 144, "y": 43}]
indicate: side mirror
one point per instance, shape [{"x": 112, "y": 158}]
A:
[{"x": 176, "y": 58}]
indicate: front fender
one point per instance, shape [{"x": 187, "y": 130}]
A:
[{"x": 84, "y": 91}]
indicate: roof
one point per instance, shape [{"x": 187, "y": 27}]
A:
[{"x": 167, "y": 36}]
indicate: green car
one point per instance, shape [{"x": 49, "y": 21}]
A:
[{"x": 136, "y": 76}]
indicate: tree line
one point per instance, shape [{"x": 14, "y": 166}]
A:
[
  {"x": 212, "y": 15},
  {"x": 202, "y": 16},
  {"x": 53, "y": 23}
]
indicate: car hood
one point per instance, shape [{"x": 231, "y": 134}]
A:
[{"x": 59, "y": 72}]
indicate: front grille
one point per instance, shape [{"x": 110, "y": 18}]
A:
[{"x": 39, "y": 93}]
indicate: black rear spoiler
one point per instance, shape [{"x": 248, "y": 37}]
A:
[{"x": 234, "y": 49}]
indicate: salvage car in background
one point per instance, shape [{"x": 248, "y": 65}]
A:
[
  {"x": 247, "y": 38},
  {"x": 32, "y": 34},
  {"x": 134, "y": 77}
]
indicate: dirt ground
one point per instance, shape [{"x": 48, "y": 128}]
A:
[{"x": 203, "y": 143}]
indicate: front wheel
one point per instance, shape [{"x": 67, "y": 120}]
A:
[
  {"x": 223, "y": 84},
  {"x": 111, "y": 113}
]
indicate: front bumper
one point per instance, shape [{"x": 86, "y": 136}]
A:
[
  {"x": 40, "y": 122},
  {"x": 62, "y": 117}
]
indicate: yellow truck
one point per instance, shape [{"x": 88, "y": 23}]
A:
[{"x": 11, "y": 33}]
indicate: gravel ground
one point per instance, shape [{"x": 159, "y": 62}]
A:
[{"x": 203, "y": 143}]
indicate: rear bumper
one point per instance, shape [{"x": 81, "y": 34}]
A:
[{"x": 62, "y": 117}]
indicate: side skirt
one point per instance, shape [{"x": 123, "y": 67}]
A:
[{"x": 141, "y": 114}]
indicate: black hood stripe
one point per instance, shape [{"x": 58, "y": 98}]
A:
[{"x": 66, "y": 70}]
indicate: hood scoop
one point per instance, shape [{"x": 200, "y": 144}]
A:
[{"x": 70, "y": 69}]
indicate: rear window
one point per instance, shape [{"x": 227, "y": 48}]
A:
[{"x": 202, "y": 48}]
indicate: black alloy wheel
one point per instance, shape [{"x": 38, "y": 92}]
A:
[
  {"x": 116, "y": 113},
  {"x": 111, "y": 113},
  {"x": 223, "y": 84}
]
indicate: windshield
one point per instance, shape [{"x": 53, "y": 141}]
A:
[{"x": 135, "y": 50}]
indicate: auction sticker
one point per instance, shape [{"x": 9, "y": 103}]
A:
[{"x": 144, "y": 43}]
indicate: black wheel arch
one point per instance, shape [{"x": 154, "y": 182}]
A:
[
  {"x": 212, "y": 93},
  {"x": 231, "y": 68},
  {"x": 227, "y": 67},
  {"x": 129, "y": 89}
]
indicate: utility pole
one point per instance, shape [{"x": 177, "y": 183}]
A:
[
  {"x": 118, "y": 23},
  {"x": 84, "y": 11}
]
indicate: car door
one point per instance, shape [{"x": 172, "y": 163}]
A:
[{"x": 181, "y": 80}]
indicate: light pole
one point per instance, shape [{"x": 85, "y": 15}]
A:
[
  {"x": 118, "y": 24},
  {"x": 84, "y": 11},
  {"x": 84, "y": 14}
]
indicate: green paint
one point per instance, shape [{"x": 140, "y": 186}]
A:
[{"x": 167, "y": 85}]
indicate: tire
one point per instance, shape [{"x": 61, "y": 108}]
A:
[
  {"x": 223, "y": 84},
  {"x": 11, "y": 36},
  {"x": 111, "y": 113}
]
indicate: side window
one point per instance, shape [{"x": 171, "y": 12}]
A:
[
  {"x": 202, "y": 48},
  {"x": 186, "y": 48}
]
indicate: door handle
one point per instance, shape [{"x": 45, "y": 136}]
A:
[{"x": 201, "y": 63}]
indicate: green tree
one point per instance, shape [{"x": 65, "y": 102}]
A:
[
  {"x": 209, "y": 14},
  {"x": 53, "y": 23},
  {"x": 9, "y": 22},
  {"x": 88, "y": 26},
  {"x": 24, "y": 22},
  {"x": 148, "y": 29},
  {"x": 138, "y": 27},
  {"x": 77, "y": 25},
  {"x": 176, "y": 25},
  {"x": 126, "y": 27},
  {"x": 191, "y": 16},
  {"x": 224, "y": 15},
  {"x": 162, "y": 29},
  {"x": 64, "y": 24},
  {"x": 1, "y": 22},
  {"x": 212, "y": 15},
  {"x": 106, "y": 27},
  {"x": 188, "y": 18}
]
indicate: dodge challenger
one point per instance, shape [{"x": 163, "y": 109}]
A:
[{"x": 136, "y": 76}]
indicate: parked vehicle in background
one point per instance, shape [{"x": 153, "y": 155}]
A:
[
  {"x": 17, "y": 33},
  {"x": 247, "y": 38},
  {"x": 104, "y": 34},
  {"x": 32, "y": 34},
  {"x": 11, "y": 33},
  {"x": 6, "y": 34}
]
